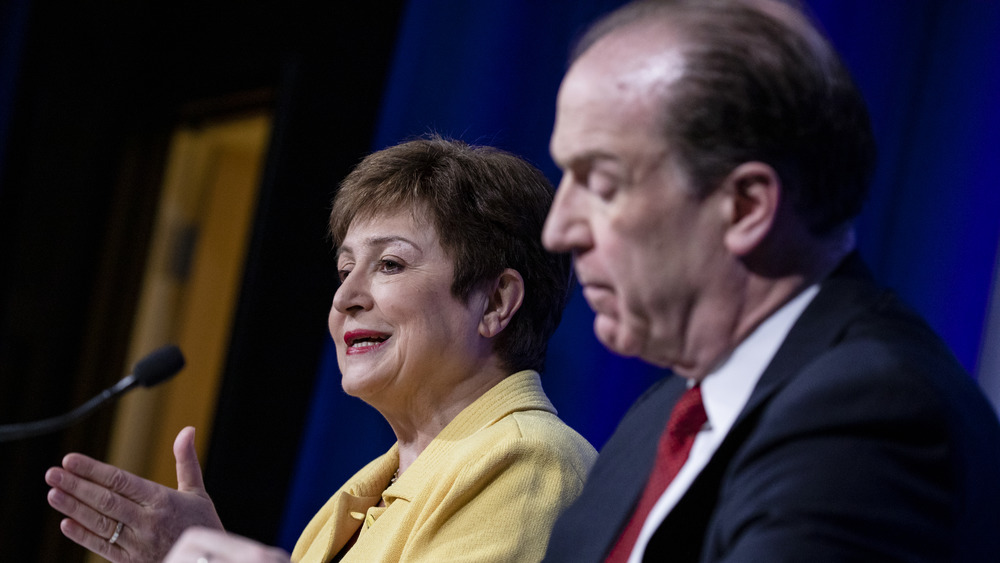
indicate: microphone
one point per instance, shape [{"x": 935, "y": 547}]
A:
[{"x": 155, "y": 368}]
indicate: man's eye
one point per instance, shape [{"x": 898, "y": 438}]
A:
[
  {"x": 342, "y": 274},
  {"x": 602, "y": 185},
  {"x": 580, "y": 175}
]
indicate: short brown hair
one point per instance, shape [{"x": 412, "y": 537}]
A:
[
  {"x": 761, "y": 83},
  {"x": 488, "y": 207}
]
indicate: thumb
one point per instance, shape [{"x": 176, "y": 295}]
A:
[{"x": 189, "y": 479}]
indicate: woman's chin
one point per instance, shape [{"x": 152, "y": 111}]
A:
[{"x": 360, "y": 387}]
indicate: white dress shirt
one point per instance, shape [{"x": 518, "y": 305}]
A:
[{"x": 724, "y": 393}]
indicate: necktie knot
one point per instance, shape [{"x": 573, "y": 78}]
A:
[{"x": 688, "y": 416}]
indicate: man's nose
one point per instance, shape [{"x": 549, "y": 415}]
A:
[{"x": 566, "y": 227}]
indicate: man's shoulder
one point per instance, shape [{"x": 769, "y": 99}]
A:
[
  {"x": 863, "y": 353},
  {"x": 885, "y": 344},
  {"x": 870, "y": 425}
]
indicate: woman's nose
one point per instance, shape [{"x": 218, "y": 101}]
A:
[{"x": 352, "y": 295}]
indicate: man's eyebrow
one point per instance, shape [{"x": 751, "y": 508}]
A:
[{"x": 586, "y": 157}]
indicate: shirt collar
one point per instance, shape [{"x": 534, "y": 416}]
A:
[{"x": 726, "y": 390}]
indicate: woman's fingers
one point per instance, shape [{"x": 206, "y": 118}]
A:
[
  {"x": 94, "y": 542},
  {"x": 197, "y": 544},
  {"x": 96, "y": 497},
  {"x": 94, "y": 506},
  {"x": 189, "y": 478},
  {"x": 84, "y": 515},
  {"x": 119, "y": 481}
]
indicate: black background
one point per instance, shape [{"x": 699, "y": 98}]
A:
[{"x": 93, "y": 93}]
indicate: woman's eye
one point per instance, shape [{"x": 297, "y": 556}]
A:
[{"x": 391, "y": 266}]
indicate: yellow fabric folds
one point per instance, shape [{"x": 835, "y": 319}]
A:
[{"x": 488, "y": 488}]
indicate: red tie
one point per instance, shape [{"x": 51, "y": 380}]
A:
[{"x": 686, "y": 420}]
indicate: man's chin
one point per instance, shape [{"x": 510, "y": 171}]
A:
[{"x": 616, "y": 337}]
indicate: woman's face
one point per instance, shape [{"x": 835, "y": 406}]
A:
[{"x": 401, "y": 335}]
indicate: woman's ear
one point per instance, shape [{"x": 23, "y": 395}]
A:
[
  {"x": 754, "y": 192},
  {"x": 504, "y": 300}
]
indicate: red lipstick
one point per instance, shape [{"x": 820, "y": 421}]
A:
[{"x": 364, "y": 341}]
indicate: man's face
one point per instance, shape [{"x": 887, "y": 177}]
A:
[{"x": 646, "y": 250}]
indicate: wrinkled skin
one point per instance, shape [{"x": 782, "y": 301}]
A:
[
  {"x": 219, "y": 547},
  {"x": 96, "y": 496}
]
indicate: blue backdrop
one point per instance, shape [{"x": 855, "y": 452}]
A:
[{"x": 488, "y": 71}]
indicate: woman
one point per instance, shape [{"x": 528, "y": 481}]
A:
[{"x": 441, "y": 322}]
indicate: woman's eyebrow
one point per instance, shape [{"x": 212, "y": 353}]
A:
[
  {"x": 378, "y": 241},
  {"x": 385, "y": 240}
]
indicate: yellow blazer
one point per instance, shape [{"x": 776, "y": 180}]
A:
[{"x": 488, "y": 488}]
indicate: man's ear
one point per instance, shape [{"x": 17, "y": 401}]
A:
[
  {"x": 754, "y": 192},
  {"x": 504, "y": 300}
]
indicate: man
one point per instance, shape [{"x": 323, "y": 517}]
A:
[{"x": 713, "y": 156}]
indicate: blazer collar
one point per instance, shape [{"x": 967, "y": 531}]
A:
[
  {"x": 520, "y": 391},
  {"x": 847, "y": 290}
]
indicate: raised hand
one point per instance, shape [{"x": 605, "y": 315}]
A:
[
  {"x": 204, "y": 545},
  {"x": 125, "y": 518}
]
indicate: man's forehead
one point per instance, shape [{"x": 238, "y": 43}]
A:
[
  {"x": 638, "y": 57},
  {"x": 630, "y": 69},
  {"x": 612, "y": 94}
]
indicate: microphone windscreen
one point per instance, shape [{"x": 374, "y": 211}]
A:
[{"x": 158, "y": 366}]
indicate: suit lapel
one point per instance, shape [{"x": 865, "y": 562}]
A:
[
  {"x": 589, "y": 528},
  {"x": 847, "y": 291},
  {"x": 634, "y": 456}
]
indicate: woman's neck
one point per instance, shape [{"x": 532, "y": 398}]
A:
[{"x": 417, "y": 424}]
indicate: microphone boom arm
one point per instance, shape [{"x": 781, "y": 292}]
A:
[{"x": 156, "y": 367}]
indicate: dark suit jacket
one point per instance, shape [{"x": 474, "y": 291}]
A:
[{"x": 864, "y": 440}]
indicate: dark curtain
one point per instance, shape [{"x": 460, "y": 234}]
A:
[
  {"x": 90, "y": 93},
  {"x": 488, "y": 71}
]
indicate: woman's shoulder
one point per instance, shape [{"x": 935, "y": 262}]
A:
[{"x": 538, "y": 434}]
